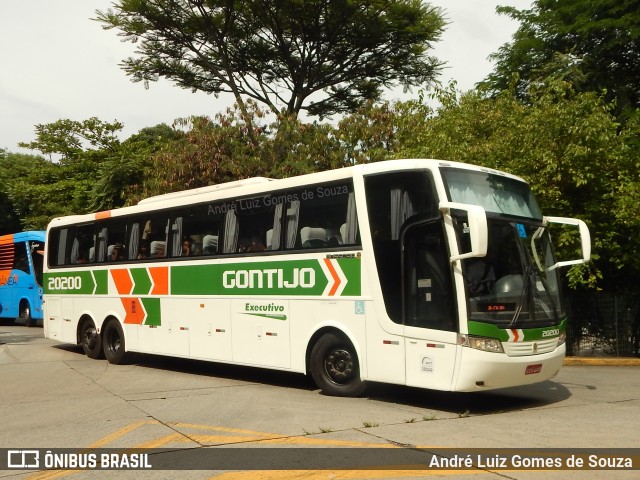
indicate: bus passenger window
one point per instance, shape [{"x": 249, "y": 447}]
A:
[
  {"x": 195, "y": 231},
  {"x": 20, "y": 259},
  {"x": 326, "y": 216}
]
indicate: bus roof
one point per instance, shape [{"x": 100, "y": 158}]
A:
[{"x": 23, "y": 236}]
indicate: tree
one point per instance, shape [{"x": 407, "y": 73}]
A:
[
  {"x": 221, "y": 149},
  {"x": 282, "y": 53},
  {"x": 92, "y": 169},
  {"x": 70, "y": 138},
  {"x": 121, "y": 176},
  {"x": 13, "y": 168},
  {"x": 38, "y": 190},
  {"x": 596, "y": 45}
]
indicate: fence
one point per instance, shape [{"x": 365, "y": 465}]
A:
[{"x": 603, "y": 324}]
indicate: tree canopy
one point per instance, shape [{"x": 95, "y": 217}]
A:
[
  {"x": 321, "y": 56},
  {"x": 595, "y": 45}
]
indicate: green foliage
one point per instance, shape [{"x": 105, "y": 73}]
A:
[
  {"x": 122, "y": 174},
  {"x": 92, "y": 169},
  {"x": 281, "y": 52},
  {"x": 40, "y": 190},
  {"x": 206, "y": 153},
  {"x": 594, "y": 45},
  {"x": 69, "y": 138},
  {"x": 14, "y": 168}
]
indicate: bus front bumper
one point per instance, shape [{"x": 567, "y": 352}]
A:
[{"x": 481, "y": 370}]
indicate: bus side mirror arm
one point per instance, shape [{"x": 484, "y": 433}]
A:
[
  {"x": 476, "y": 227},
  {"x": 585, "y": 239}
]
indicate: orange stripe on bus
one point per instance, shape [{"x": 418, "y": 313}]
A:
[
  {"x": 134, "y": 311},
  {"x": 102, "y": 215},
  {"x": 6, "y": 239},
  {"x": 123, "y": 281},
  {"x": 334, "y": 274},
  {"x": 160, "y": 278}
]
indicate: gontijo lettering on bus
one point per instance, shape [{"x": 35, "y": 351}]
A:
[{"x": 314, "y": 277}]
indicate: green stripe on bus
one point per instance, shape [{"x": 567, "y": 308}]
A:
[
  {"x": 152, "y": 308},
  {"x": 352, "y": 270},
  {"x": 102, "y": 281},
  {"x": 482, "y": 329},
  {"x": 141, "y": 281}
]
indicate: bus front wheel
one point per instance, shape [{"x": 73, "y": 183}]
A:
[
  {"x": 113, "y": 343},
  {"x": 335, "y": 368},
  {"x": 90, "y": 340}
]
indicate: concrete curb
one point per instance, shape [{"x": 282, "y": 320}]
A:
[{"x": 603, "y": 361}]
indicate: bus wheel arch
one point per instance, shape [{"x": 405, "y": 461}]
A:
[
  {"x": 334, "y": 364},
  {"x": 24, "y": 311},
  {"x": 113, "y": 341},
  {"x": 89, "y": 338}
]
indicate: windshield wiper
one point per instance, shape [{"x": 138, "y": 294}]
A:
[{"x": 528, "y": 273}]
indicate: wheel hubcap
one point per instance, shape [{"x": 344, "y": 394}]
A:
[{"x": 339, "y": 366}]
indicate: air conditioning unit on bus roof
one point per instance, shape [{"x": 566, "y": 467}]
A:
[{"x": 211, "y": 188}]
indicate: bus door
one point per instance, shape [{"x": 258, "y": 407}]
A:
[
  {"x": 35, "y": 251},
  {"x": 429, "y": 311}
]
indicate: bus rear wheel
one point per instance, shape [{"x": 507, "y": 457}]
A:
[
  {"x": 113, "y": 343},
  {"x": 335, "y": 367},
  {"x": 90, "y": 340}
]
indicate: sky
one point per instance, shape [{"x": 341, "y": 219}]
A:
[{"x": 56, "y": 63}]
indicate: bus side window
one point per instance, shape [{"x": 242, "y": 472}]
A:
[
  {"x": 195, "y": 231},
  {"x": 325, "y": 217},
  {"x": 156, "y": 234},
  {"x": 82, "y": 247},
  {"x": 57, "y": 246},
  {"x": 246, "y": 226},
  {"x": 137, "y": 248},
  {"x": 20, "y": 259}
]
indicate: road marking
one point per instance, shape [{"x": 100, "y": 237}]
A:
[{"x": 237, "y": 435}]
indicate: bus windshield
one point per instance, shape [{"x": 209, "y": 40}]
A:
[
  {"x": 512, "y": 286},
  {"x": 495, "y": 193}
]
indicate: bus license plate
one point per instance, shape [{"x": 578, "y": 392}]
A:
[{"x": 531, "y": 369}]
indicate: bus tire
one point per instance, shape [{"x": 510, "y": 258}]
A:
[
  {"x": 25, "y": 312},
  {"x": 90, "y": 340},
  {"x": 113, "y": 343},
  {"x": 335, "y": 368}
]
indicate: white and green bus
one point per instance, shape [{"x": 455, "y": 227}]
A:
[{"x": 424, "y": 273}]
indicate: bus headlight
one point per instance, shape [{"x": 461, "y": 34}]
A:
[
  {"x": 562, "y": 338},
  {"x": 485, "y": 344}
]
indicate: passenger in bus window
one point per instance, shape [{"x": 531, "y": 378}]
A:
[
  {"x": 143, "y": 253},
  {"x": 186, "y": 247},
  {"x": 256, "y": 245},
  {"x": 117, "y": 252}
]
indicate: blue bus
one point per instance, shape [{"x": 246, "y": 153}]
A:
[{"x": 21, "y": 257}]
